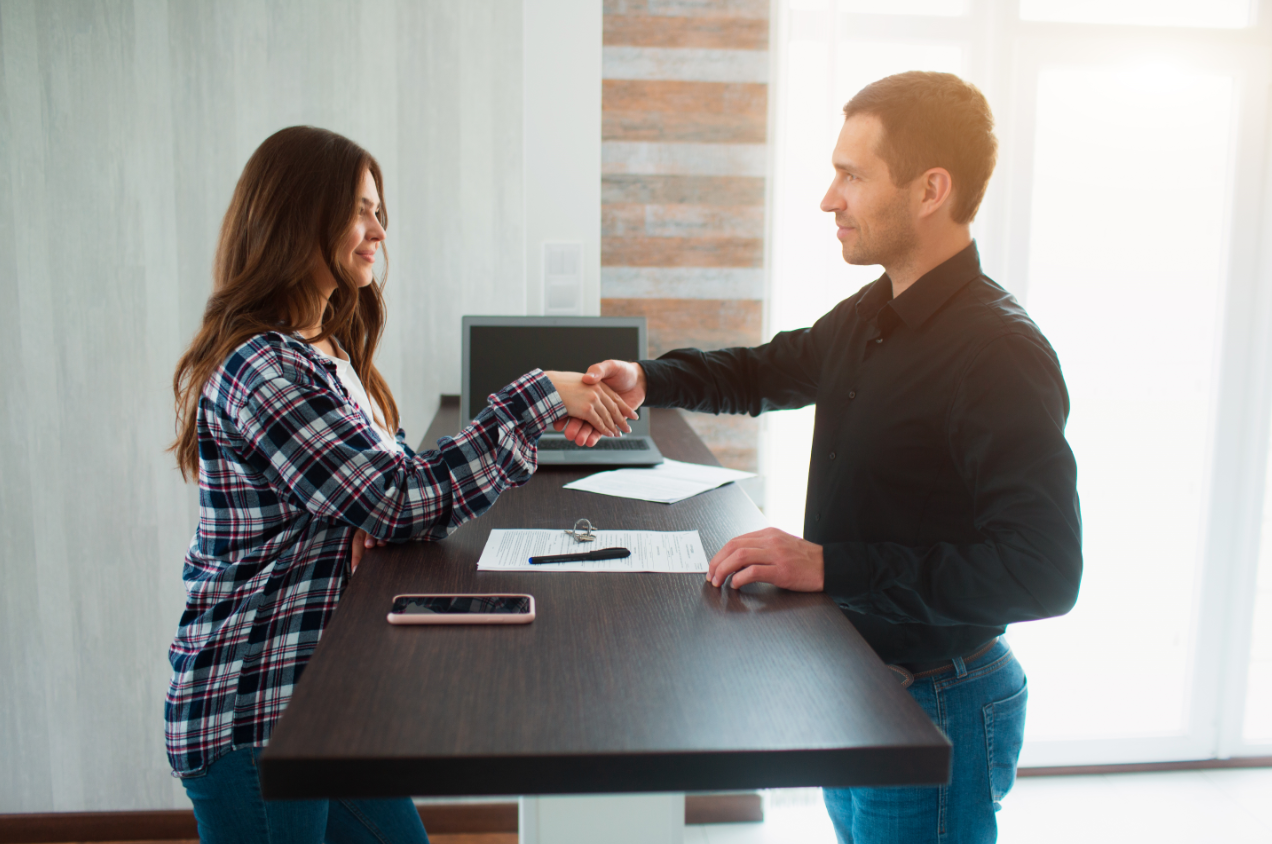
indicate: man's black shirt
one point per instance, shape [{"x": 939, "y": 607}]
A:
[{"x": 940, "y": 483}]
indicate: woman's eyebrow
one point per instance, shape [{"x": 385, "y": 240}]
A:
[{"x": 367, "y": 201}]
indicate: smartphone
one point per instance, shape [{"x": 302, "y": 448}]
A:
[{"x": 462, "y": 609}]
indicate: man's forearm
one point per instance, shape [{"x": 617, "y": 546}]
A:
[{"x": 737, "y": 380}]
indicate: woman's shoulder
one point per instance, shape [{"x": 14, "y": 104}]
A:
[{"x": 260, "y": 359}]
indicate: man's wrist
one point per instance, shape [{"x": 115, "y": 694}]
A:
[{"x": 845, "y": 570}]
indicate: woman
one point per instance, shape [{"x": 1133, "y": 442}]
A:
[{"x": 288, "y": 425}]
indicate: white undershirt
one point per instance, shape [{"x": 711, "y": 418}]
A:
[{"x": 353, "y": 385}]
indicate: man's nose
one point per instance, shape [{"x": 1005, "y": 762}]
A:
[{"x": 831, "y": 202}]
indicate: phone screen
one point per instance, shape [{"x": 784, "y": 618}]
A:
[{"x": 461, "y": 605}]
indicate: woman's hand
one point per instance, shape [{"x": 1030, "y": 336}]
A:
[
  {"x": 361, "y": 542},
  {"x": 625, "y": 378},
  {"x": 597, "y": 404}
]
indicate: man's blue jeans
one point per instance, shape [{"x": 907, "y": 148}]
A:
[
  {"x": 980, "y": 706},
  {"x": 229, "y": 808}
]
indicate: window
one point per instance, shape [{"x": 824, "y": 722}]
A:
[
  {"x": 1211, "y": 13},
  {"x": 1125, "y": 213}
]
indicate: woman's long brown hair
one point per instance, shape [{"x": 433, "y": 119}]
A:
[{"x": 297, "y": 196}]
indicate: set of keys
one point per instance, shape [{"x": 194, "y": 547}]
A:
[{"x": 582, "y": 531}]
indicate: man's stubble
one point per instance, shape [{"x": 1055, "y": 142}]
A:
[{"x": 892, "y": 236}]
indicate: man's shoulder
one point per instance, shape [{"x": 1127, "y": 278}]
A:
[
  {"x": 992, "y": 321},
  {"x": 993, "y": 311}
]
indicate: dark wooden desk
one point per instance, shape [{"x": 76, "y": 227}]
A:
[{"x": 624, "y": 682}]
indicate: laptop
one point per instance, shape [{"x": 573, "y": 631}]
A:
[{"x": 498, "y": 350}]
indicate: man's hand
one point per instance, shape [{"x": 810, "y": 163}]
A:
[
  {"x": 625, "y": 378},
  {"x": 361, "y": 542},
  {"x": 770, "y": 556},
  {"x": 593, "y": 402}
]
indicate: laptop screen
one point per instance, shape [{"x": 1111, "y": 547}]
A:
[{"x": 499, "y": 354}]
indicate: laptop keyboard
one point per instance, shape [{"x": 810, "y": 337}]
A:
[{"x": 606, "y": 444}]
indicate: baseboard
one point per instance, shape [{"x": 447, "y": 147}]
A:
[
  {"x": 1148, "y": 767},
  {"x": 440, "y": 818},
  {"x": 737, "y": 807},
  {"x": 174, "y": 824}
]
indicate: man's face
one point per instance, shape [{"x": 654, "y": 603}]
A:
[{"x": 875, "y": 218}]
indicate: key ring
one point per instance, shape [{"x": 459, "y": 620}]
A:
[{"x": 582, "y": 531}]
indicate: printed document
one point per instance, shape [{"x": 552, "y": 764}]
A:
[
  {"x": 678, "y": 551},
  {"x": 666, "y": 483}
]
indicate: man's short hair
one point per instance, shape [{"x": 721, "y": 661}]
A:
[{"x": 933, "y": 120}]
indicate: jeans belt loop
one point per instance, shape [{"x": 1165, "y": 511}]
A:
[
  {"x": 907, "y": 679},
  {"x": 958, "y": 664}
]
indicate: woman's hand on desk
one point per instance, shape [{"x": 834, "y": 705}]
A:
[
  {"x": 595, "y": 403},
  {"x": 361, "y": 542},
  {"x": 625, "y": 378}
]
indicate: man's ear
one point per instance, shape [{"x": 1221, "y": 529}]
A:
[{"x": 938, "y": 190}]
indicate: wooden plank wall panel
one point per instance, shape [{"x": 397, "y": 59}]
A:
[{"x": 684, "y": 157}]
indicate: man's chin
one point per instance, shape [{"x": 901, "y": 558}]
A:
[{"x": 858, "y": 257}]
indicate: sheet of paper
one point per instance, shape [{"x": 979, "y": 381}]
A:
[
  {"x": 678, "y": 551},
  {"x": 666, "y": 483}
]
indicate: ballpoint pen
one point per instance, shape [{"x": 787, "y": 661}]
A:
[{"x": 583, "y": 556}]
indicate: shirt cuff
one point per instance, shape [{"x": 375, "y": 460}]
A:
[
  {"x": 846, "y": 571},
  {"x": 659, "y": 390},
  {"x": 532, "y": 401}
]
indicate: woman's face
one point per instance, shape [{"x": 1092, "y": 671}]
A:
[{"x": 357, "y": 250}]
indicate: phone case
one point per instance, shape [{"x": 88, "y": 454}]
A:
[{"x": 474, "y": 618}]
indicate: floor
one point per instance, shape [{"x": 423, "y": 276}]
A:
[
  {"x": 1230, "y": 806},
  {"x": 1184, "y": 807},
  {"x": 474, "y": 838}
]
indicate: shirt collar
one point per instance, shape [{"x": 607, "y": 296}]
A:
[
  {"x": 304, "y": 347},
  {"x": 926, "y": 296}
]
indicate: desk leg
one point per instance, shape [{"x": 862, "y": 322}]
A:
[{"x": 611, "y": 818}]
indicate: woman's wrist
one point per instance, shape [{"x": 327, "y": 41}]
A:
[{"x": 542, "y": 402}]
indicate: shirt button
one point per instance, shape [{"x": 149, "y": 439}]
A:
[
  {"x": 817, "y": 517},
  {"x": 852, "y": 394},
  {"x": 832, "y": 455}
]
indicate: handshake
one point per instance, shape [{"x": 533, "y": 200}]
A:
[{"x": 600, "y": 401}]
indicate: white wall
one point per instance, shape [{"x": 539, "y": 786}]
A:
[
  {"x": 123, "y": 127},
  {"x": 562, "y": 114}
]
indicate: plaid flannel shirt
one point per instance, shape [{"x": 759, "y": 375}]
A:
[{"x": 289, "y": 467}]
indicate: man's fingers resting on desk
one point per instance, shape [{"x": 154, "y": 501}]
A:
[{"x": 769, "y": 556}]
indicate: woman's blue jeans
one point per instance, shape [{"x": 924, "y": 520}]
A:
[
  {"x": 980, "y": 706},
  {"x": 229, "y": 808}
]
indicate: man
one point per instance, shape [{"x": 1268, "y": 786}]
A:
[{"x": 942, "y": 498}]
